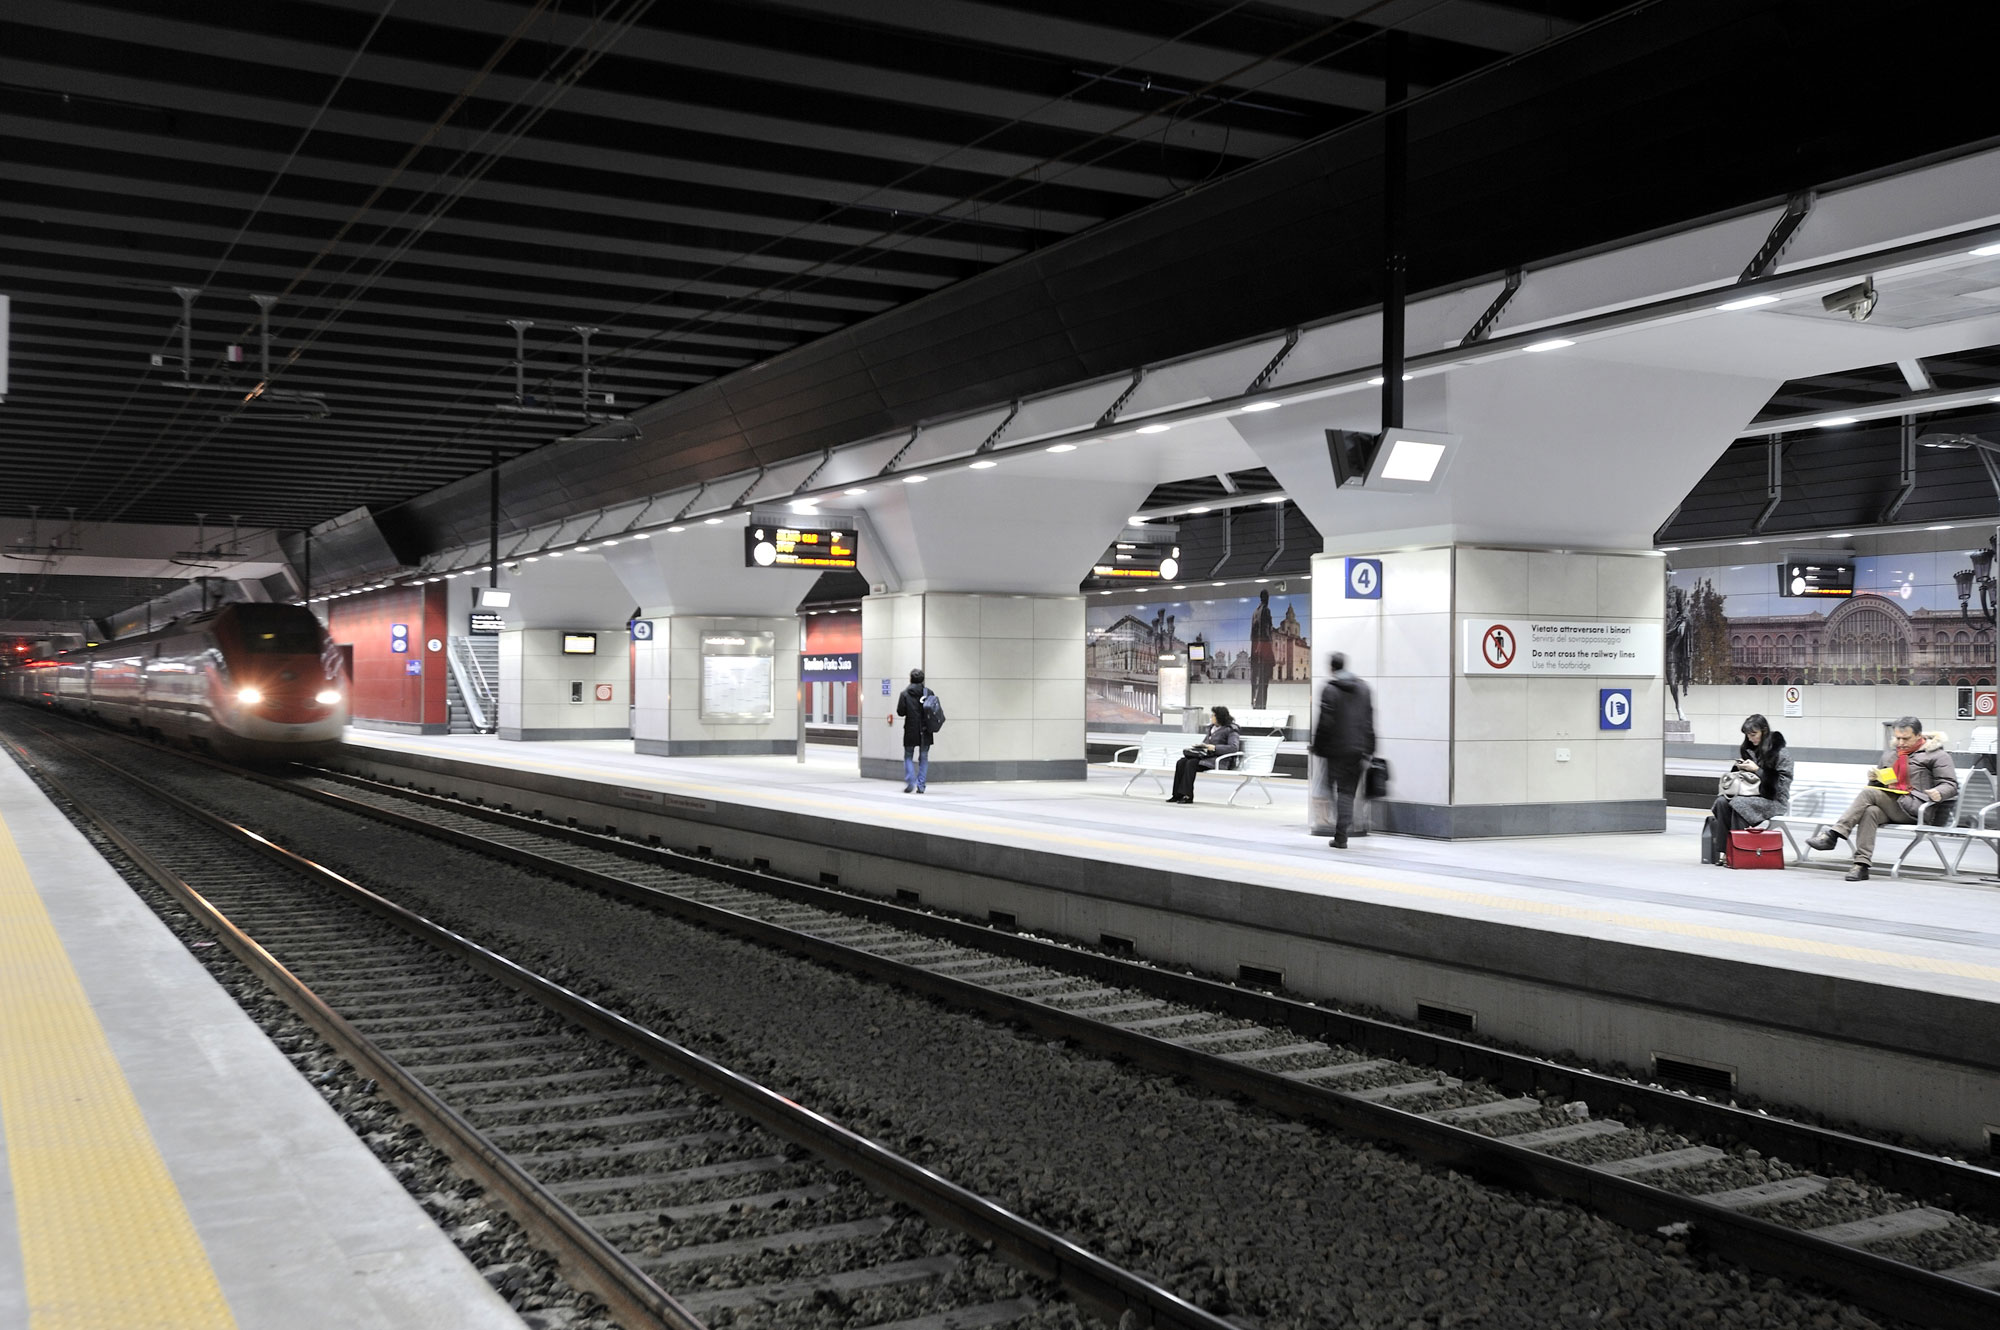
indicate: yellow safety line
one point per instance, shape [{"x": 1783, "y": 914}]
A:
[
  {"x": 959, "y": 822},
  {"x": 106, "y": 1243}
]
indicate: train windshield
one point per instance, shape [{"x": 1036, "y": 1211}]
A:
[{"x": 287, "y": 635}]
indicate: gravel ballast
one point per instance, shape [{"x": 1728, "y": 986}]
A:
[{"x": 1274, "y": 1224}]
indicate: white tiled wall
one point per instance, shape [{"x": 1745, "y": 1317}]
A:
[
  {"x": 1509, "y": 730},
  {"x": 535, "y": 679},
  {"x": 1401, "y": 644},
  {"x": 669, "y": 681},
  {"x": 1009, "y": 670},
  {"x": 1452, "y": 739}
]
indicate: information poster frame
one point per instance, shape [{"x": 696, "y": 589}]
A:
[{"x": 739, "y": 676}]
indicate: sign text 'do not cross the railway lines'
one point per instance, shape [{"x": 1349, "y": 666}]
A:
[
  {"x": 1545, "y": 647},
  {"x": 799, "y": 547}
]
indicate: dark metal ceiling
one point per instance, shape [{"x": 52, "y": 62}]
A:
[
  {"x": 1882, "y": 385},
  {"x": 704, "y": 184}
]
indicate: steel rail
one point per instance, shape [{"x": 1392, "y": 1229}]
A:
[
  {"x": 584, "y": 1256},
  {"x": 1896, "y": 1167},
  {"x": 1113, "y": 1290},
  {"x": 1878, "y": 1282}
]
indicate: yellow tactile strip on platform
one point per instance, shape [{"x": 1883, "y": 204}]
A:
[{"x": 106, "y": 1243}]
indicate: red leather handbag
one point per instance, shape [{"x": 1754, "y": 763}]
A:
[{"x": 1755, "y": 849}]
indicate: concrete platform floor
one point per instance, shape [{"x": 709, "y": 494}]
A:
[
  {"x": 1918, "y": 933},
  {"x": 292, "y": 1218}
]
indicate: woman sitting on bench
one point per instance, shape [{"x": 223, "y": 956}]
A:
[
  {"x": 1762, "y": 755},
  {"x": 1221, "y": 738}
]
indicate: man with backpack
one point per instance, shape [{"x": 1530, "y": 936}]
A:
[{"x": 923, "y": 716}]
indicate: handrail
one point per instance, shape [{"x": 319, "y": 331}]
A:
[{"x": 473, "y": 685}]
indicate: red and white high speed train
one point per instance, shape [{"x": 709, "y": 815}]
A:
[{"x": 249, "y": 682}]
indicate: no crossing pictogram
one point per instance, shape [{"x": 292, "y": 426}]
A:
[{"x": 1498, "y": 646}]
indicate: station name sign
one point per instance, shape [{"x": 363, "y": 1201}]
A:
[
  {"x": 799, "y": 547},
  {"x": 485, "y": 623},
  {"x": 1561, "y": 647}
]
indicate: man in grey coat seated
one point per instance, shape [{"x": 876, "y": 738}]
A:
[{"x": 1915, "y": 773}]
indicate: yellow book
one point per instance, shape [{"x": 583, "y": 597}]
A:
[{"x": 1885, "y": 777}]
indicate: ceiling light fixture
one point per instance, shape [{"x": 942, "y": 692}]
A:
[
  {"x": 1061, "y": 448},
  {"x": 711, "y": 521},
  {"x": 642, "y": 535},
  {"x": 1747, "y": 302},
  {"x": 675, "y": 530},
  {"x": 857, "y": 490},
  {"x": 1263, "y": 406},
  {"x": 1197, "y": 510},
  {"x": 1276, "y": 498},
  {"x": 1553, "y": 344},
  {"x": 915, "y": 480},
  {"x": 983, "y": 464},
  {"x": 1832, "y": 421},
  {"x": 1986, "y": 251},
  {"x": 1154, "y": 429}
]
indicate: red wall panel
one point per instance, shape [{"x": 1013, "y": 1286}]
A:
[{"x": 383, "y": 687}]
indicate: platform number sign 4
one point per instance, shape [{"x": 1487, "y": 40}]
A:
[
  {"x": 1614, "y": 708},
  {"x": 642, "y": 630},
  {"x": 1364, "y": 579},
  {"x": 399, "y": 637}
]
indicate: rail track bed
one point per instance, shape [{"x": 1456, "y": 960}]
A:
[{"x": 1236, "y": 1203}]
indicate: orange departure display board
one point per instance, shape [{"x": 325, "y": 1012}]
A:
[{"x": 798, "y": 547}]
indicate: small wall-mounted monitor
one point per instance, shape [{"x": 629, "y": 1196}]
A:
[
  {"x": 1197, "y": 651},
  {"x": 493, "y": 598},
  {"x": 579, "y": 644}
]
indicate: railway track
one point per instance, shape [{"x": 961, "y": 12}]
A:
[
  {"x": 1900, "y": 1231},
  {"x": 680, "y": 1191}
]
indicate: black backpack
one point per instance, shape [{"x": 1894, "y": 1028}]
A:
[{"x": 933, "y": 712}]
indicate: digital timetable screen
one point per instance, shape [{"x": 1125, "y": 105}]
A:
[
  {"x": 1800, "y": 577},
  {"x": 798, "y": 547}
]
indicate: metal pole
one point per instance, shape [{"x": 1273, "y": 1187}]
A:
[
  {"x": 1395, "y": 180},
  {"x": 493, "y": 519}
]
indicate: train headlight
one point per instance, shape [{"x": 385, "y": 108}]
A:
[
  {"x": 327, "y": 697},
  {"x": 249, "y": 697}
]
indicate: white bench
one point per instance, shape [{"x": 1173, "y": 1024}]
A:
[
  {"x": 1159, "y": 751},
  {"x": 1261, "y": 722},
  {"x": 1821, "y": 792}
]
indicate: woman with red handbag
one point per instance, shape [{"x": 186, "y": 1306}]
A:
[{"x": 1757, "y": 788}]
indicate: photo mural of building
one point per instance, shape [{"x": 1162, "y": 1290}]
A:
[
  {"x": 1904, "y": 625},
  {"x": 1256, "y": 643}
]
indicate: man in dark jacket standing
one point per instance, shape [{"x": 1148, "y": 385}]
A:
[
  {"x": 1344, "y": 739},
  {"x": 916, "y": 733}
]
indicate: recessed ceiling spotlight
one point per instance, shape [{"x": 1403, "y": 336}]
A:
[
  {"x": 642, "y": 535},
  {"x": 1831, "y": 421},
  {"x": 1061, "y": 448},
  {"x": 1197, "y": 510},
  {"x": 531, "y": 558},
  {"x": 1275, "y": 498},
  {"x": 856, "y": 490},
  {"x": 553, "y": 554},
  {"x": 983, "y": 464},
  {"x": 1136, "y": 520},
  {"x": 915, "y": 480},
  {"x": 580, "y": 549},
  {"x": 1263, "y": 406},
  {"x": 1154, "y": 429},
  {"x": 1839, "y": 535},
  {"x": 1553, "y": 344},
  {"x": 711, "y": 521},
  {"x": 675, "y": 530},
  {"x": 607, "y": 544},
  {"x": 1218, "y": 584},
  {"x": 1944, "y": 527},
  {"x": 1749, "y": 542},
  {"x": 1747, "y": 302},
  {"x": 1986, "y": 251}
]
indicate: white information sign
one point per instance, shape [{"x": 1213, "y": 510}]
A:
[
  {"x": 1795, "y": 700},
  {"x": 1572, "y": 647},
  {"x": 738, "y": 678}
]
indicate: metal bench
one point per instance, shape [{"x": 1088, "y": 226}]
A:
[
  {"x": 1254, "y": 765},
  {"x": 1153, "y": 756},
  {"x": 1821, "y": 792}
]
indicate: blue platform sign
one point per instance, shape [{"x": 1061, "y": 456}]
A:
[
  {"x": 642, "y": 630},
  {"x": 1364, "y": 579},
  {"x": 413, "y": 667},
  {"x": 399, "y": 638},
  {"x": 1614, "y": 708}
]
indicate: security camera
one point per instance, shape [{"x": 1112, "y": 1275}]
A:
[{"x": 1857, "y": 301}]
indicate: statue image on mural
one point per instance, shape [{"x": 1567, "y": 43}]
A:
[
  {"x": 1263, "y": 655},
  {"x": 1680, "y": 645}
]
